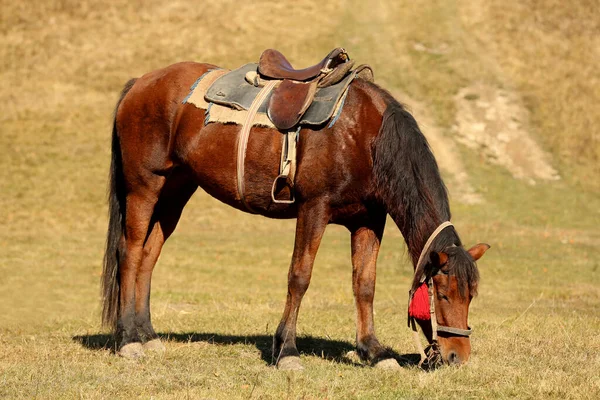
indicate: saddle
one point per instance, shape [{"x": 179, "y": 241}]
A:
[
  {"x": 275, "y": 65},
  {"x": 292, "y": 97}
]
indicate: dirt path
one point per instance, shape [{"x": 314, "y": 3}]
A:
[
  {"x": 490, "y": 118},
  {"x": 494, "y": 122},
  {"x": 445, "y": 151}
]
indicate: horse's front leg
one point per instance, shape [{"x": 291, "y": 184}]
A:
[
  {"x": 365, "y": 248},
  {"x": 312, "y": 221}
]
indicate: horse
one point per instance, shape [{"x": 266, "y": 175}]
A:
[{"x": 373, "y": 162}]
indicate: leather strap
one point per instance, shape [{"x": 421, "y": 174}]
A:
[
  {"x": 455, "y": 331},
  {"x": 430, "y": 241},
  {"x": 417, "y": 340},
  {"x": 242, "y": 142},
  {"x": 433, "y": 317},
  {"x": 287, "y": 166}
]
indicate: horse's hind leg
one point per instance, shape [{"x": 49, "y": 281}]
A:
[
  {"x": 139, "y": 209},
  {"x": 174, "y": 196},
  {"x": 365, "y": 248},
  {"x": 312, "y": 221}
]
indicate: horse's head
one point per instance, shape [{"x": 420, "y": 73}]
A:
[{"x": 454, "y": 278}]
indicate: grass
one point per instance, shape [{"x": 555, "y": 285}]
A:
[{"x": 219, "y": 288}]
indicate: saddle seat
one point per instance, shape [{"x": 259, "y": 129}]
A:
[
  {"x": 273, "y": 64},
  {"x": 296, "y": 91}
]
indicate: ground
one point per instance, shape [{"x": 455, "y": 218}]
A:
[{"x": 220, "y": 285}]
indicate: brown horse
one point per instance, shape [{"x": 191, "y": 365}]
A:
[{"x": 372, "y": 162}]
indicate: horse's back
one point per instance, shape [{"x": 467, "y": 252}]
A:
[{"x": 334, "y": 163}]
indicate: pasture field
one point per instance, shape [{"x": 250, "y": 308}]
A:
[{"x": 220, "y": 285}]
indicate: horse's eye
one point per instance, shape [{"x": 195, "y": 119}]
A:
[{"x": 442, "y": 296}]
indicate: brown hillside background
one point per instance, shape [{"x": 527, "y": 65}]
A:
[
  {"x": 57, "y": 53},
  {"x": 219, "y": 288},
  {"x": 548, "y": 51}
]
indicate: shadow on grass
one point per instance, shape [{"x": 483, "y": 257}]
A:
[{"x": 328, "y": 349}]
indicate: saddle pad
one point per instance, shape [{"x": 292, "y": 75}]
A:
[
  {"x": 199, "y": 88},
  {"x": 234, "y": 91}
]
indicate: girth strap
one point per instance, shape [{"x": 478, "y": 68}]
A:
[{"x": 242, "y": 142}]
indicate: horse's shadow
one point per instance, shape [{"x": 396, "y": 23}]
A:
[{"x": 328, "y": 349}]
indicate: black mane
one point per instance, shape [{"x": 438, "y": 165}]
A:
[{"x": 409, "y": 184}]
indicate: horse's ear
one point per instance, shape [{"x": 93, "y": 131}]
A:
[
  {"x": 478, "y": 250},
  {"x": 438, "y": 259}
]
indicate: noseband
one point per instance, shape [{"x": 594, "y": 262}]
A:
[{"x": 435, "y": 328}]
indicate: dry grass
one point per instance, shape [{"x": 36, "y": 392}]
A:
[
  {"x": 548, "y": 50},
  {"x": 218, "y": 295}
]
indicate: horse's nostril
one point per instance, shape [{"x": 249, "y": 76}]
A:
[{"x": 453, "y": 358}]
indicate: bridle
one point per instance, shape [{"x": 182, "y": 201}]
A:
[{"x": 435, "y": 327}]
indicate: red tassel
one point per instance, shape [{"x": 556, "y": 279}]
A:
[{"x": 419, "y": 305}]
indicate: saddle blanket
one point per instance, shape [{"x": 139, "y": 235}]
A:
[{"x": 227, "y": 96}]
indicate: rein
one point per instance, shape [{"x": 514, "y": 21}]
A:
[{"x": 435, "y": 328}]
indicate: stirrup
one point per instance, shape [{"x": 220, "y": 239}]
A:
[{"x": 292, "y": 200}]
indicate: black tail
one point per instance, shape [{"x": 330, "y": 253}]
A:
[{"x": 116, "y": 223}]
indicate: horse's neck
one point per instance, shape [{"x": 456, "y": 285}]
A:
[
  {"x": 416, "y": 236},
  {"x": 419, "y": 226},
  {"x": 407, "y": 176}
]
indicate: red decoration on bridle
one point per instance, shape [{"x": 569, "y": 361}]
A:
[
  {"x": 419, "y": 304},
  {"x": 420, "y": 307}
]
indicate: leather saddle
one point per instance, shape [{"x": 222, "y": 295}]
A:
[
  {"x": 273, "y": 64},
  {"x": 304, "y": 97},
  {"x": 292, "y": 97}
]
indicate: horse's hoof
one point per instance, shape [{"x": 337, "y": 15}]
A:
[
  {"x": 290, "y": 363},
  {"x": 155, "y": 345},
  {"x": 388, "y": 363},
  {"x": 132, "y": 351},
  {"x": 353, "y": 356}
]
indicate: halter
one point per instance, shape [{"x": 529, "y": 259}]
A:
[{"x": 435, "y": 328}]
